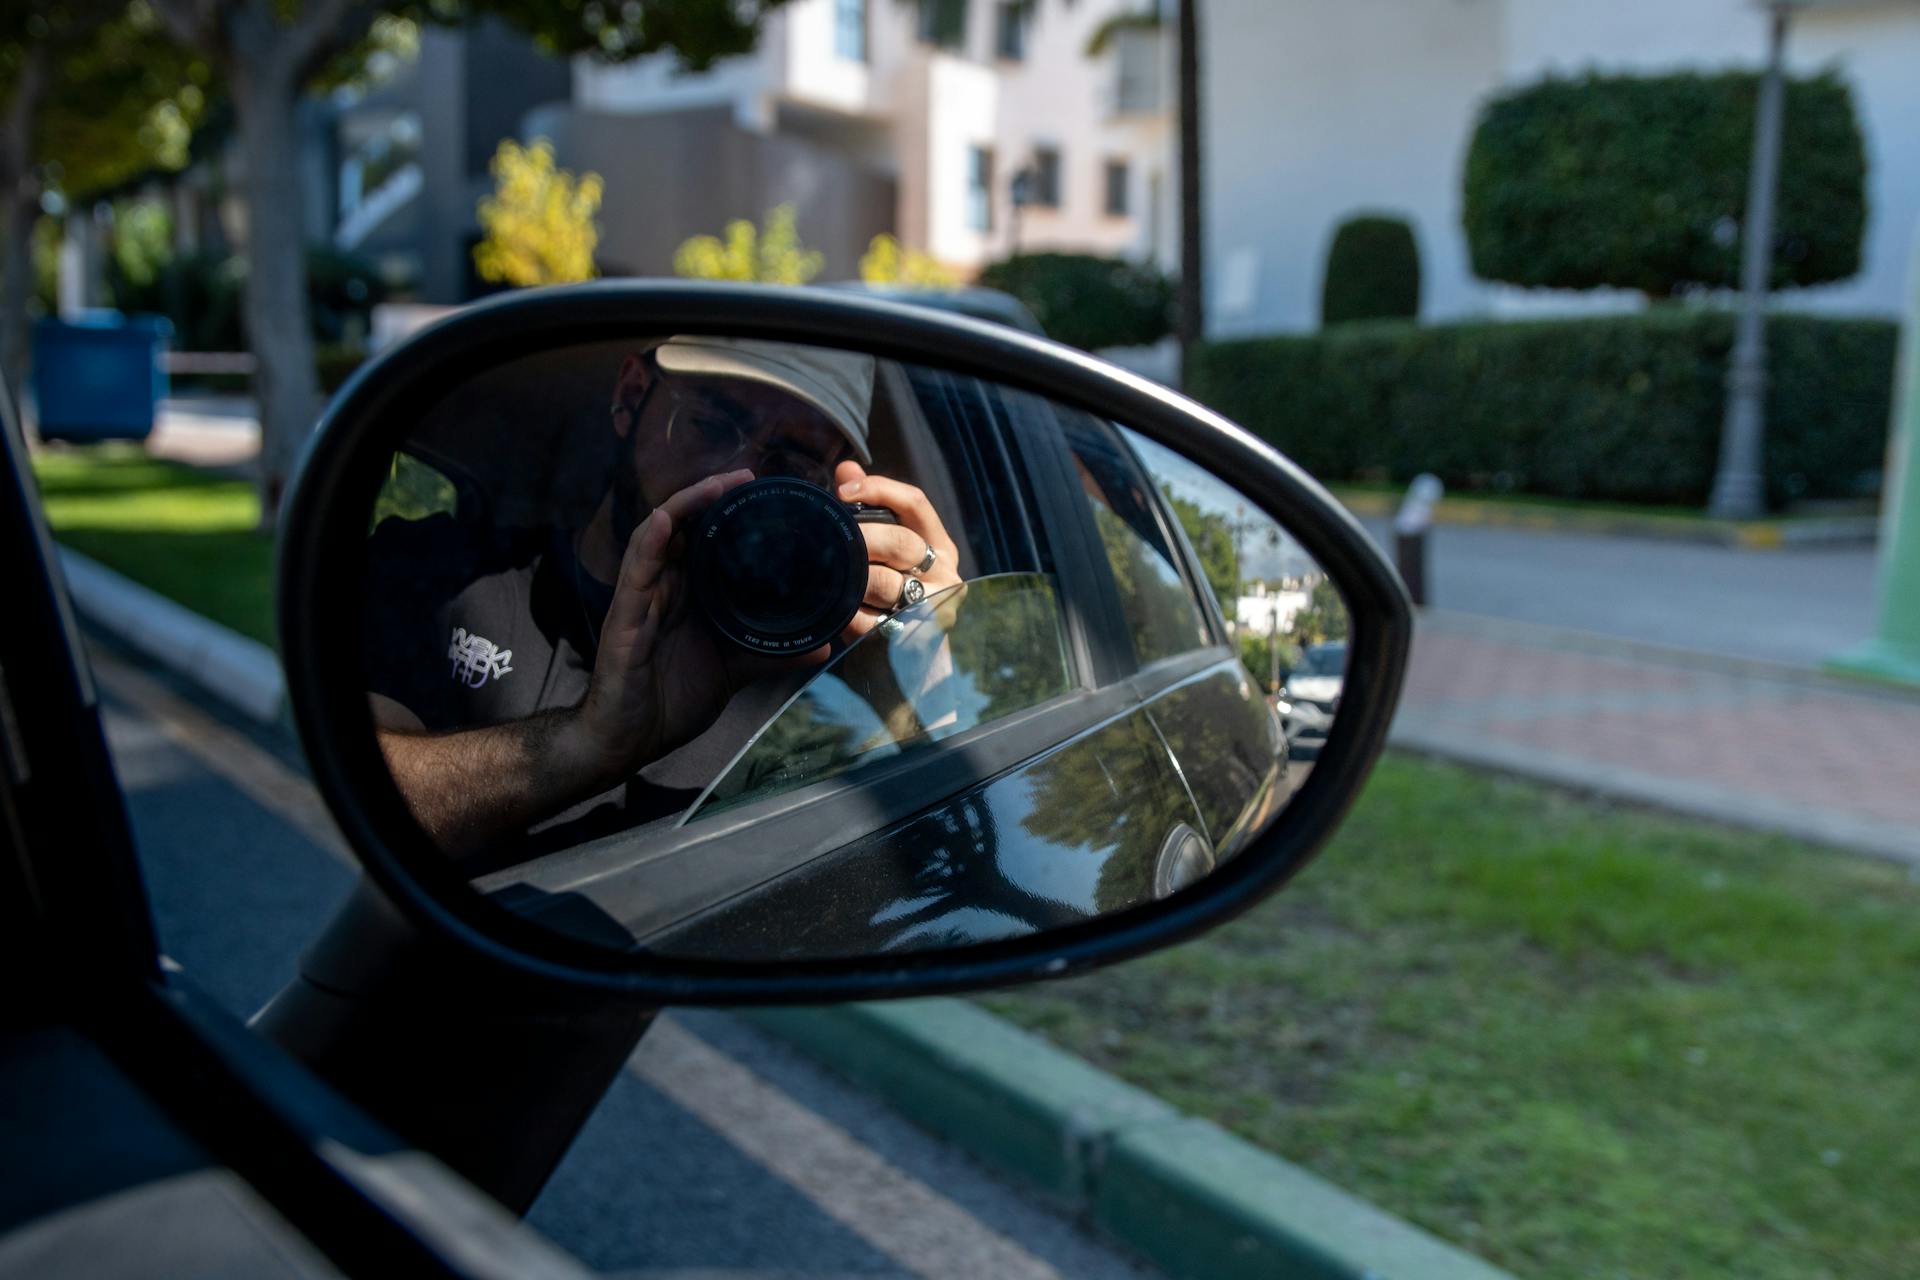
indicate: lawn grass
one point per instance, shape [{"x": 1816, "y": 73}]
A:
[
  {"x": 186, "y": 533},
  {"x": 1375, "y": 493},
  {"x": 1577, "y": 1040},
  {"x": 1381, "y": 498}
]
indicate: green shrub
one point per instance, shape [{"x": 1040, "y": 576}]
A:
[
  {"x": 1641, "y": 183},
  {"x": 1088, "y": 301},
  {"x": 1373, "y": 272},
  {"x": 1618, "y": 408}
]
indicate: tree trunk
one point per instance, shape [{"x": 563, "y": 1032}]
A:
[
  {"x": 19, "y": 209},
  {"x": 275, "y": 301},
  {"x": 1192, "y": 230}
]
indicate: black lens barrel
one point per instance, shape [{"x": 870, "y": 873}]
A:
[{"x": 779, "y": 565}]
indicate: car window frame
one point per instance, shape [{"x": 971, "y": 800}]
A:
[
  {"x": 1188, "y": 559},
  {"x": 1147, "y": 677}
]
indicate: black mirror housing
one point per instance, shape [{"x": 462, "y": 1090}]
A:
[{"x": 321, "y": 577}]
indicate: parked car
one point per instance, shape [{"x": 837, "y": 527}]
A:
[
  {"x": 1312, "y": 691},
  {"x": 1049, "y": 761}
]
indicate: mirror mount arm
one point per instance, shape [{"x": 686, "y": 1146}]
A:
[{"x": 487, "y": 1071}]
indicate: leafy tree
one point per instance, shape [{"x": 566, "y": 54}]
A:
[
  {"x": 92, "y": 95},
  {"x": 1640, "y": 182},
  {"x": 269, "y": 52},
  {"x": 1211, "y": 535},
  {"x": 770, "y": 256},
  {"x": 1324, "y": 618},
  {"x": 1268, "y": 659},
  {"x": 887, "y": 261},
  {"x": 538, "y": 224}
]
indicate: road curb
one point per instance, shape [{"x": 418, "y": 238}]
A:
[
  {"x": 1182, "y": 1192},
  {"x": 1797, "y": 533},
  {"x": 242, "y": 673}
]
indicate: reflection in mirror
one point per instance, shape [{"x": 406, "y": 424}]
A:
[
  {"x": 1284, "y": 615},
  {"x": 745, "y": 650}
]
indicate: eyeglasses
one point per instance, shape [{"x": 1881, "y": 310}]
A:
[{"x": 723, "y": 432}]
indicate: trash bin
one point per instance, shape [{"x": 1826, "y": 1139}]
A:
[{"x": 99, "y": 376}]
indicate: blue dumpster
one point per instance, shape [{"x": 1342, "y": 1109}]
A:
[{"x": 99, "y": 376}]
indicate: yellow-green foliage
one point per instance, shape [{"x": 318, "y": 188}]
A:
[
  {"x": 538, "y": 224},
  {"x": 887, "y": 261},
  {"x": 773, "y": 255}
]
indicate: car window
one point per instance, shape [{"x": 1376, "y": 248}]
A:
[
  {"x": 1161, "y": 614},
  {"x": 969, "y": 655},
  {"x": 413, "y": 490}
]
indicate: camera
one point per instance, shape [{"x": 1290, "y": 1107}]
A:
[{"x": 779, "y": 565}]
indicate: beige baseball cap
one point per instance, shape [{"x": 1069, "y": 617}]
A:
[{"x": 837, "y": 383}]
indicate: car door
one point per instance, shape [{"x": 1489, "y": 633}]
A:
[{"x": 1055, "y": 804}]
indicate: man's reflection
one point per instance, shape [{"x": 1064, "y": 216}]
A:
[{"x": 525, "y": 677}]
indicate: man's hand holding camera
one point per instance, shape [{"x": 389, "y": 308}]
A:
[
  {"x": 689, "y": 621},
  {"x": 917, "y": 547}
]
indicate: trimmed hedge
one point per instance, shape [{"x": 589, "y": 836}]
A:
[
  {"x": 1618, "y": 408},
  {"x": 1640, "y": 182},
  {"x": 1373, "y": 271},
  {"x": 1088, "y": 301}
]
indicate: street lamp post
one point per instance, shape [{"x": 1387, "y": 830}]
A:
[
  {"x": 1739, "y": 490},
  {"x": 1021, "y": 190}
]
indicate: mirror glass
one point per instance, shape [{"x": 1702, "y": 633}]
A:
[{"x": 749, "y": 650}]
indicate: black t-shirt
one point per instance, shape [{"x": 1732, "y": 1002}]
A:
[{"x": 469, "y": 626}]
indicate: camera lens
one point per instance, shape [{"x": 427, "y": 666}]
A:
[{"x": 779, "y": 565}]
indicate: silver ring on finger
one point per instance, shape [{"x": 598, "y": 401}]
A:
[
  {"x": 912, "y": 592},
  {"x": 926, "y": 561}
]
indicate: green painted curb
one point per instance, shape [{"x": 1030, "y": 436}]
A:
[
  {"x": 1184, "y": 1193},
  {"x": 1204, "y": 1204},
  {"x": 1008, "y": 1098}
]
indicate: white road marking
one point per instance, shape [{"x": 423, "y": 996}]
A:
[
  {"x": 926, "y": 1233},
  {"x": 911, "y": 1223}
]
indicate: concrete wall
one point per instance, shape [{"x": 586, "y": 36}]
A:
[
  {"x": 675, "y": 174},
  {"x": 1316, "y": 111}
]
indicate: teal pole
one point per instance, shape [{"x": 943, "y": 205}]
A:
[{"x": 1894, "y": 653}]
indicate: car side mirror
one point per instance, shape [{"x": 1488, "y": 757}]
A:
[{"x": 721, "y": 644}]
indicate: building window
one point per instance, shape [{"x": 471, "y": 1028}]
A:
[
  {"x": 1044, "y": 192},
  {"x": 980, "y": 188},
  {"x": 1010, "y": 30},
  {"x": 944, "y": 23},
  {"x": 850, "y": 29},
  {"x": 1116, "y": 200}
]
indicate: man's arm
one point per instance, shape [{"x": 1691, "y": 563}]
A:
[
  {"x": 470, "y": 786},
  {"x": 658, "y": 679}
]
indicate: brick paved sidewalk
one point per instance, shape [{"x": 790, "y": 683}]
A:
[{"x": 1741, "y": 742}]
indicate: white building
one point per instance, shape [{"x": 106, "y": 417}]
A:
[
  {"x": 885, "y": 115},
  {"x": 1269, "y": 613},
  {"x": 1317, "y": 109}
]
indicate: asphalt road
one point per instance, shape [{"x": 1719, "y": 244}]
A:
[
  {"x": 717, "y": 1154},
  {"x": 1792, "y": 606}
]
